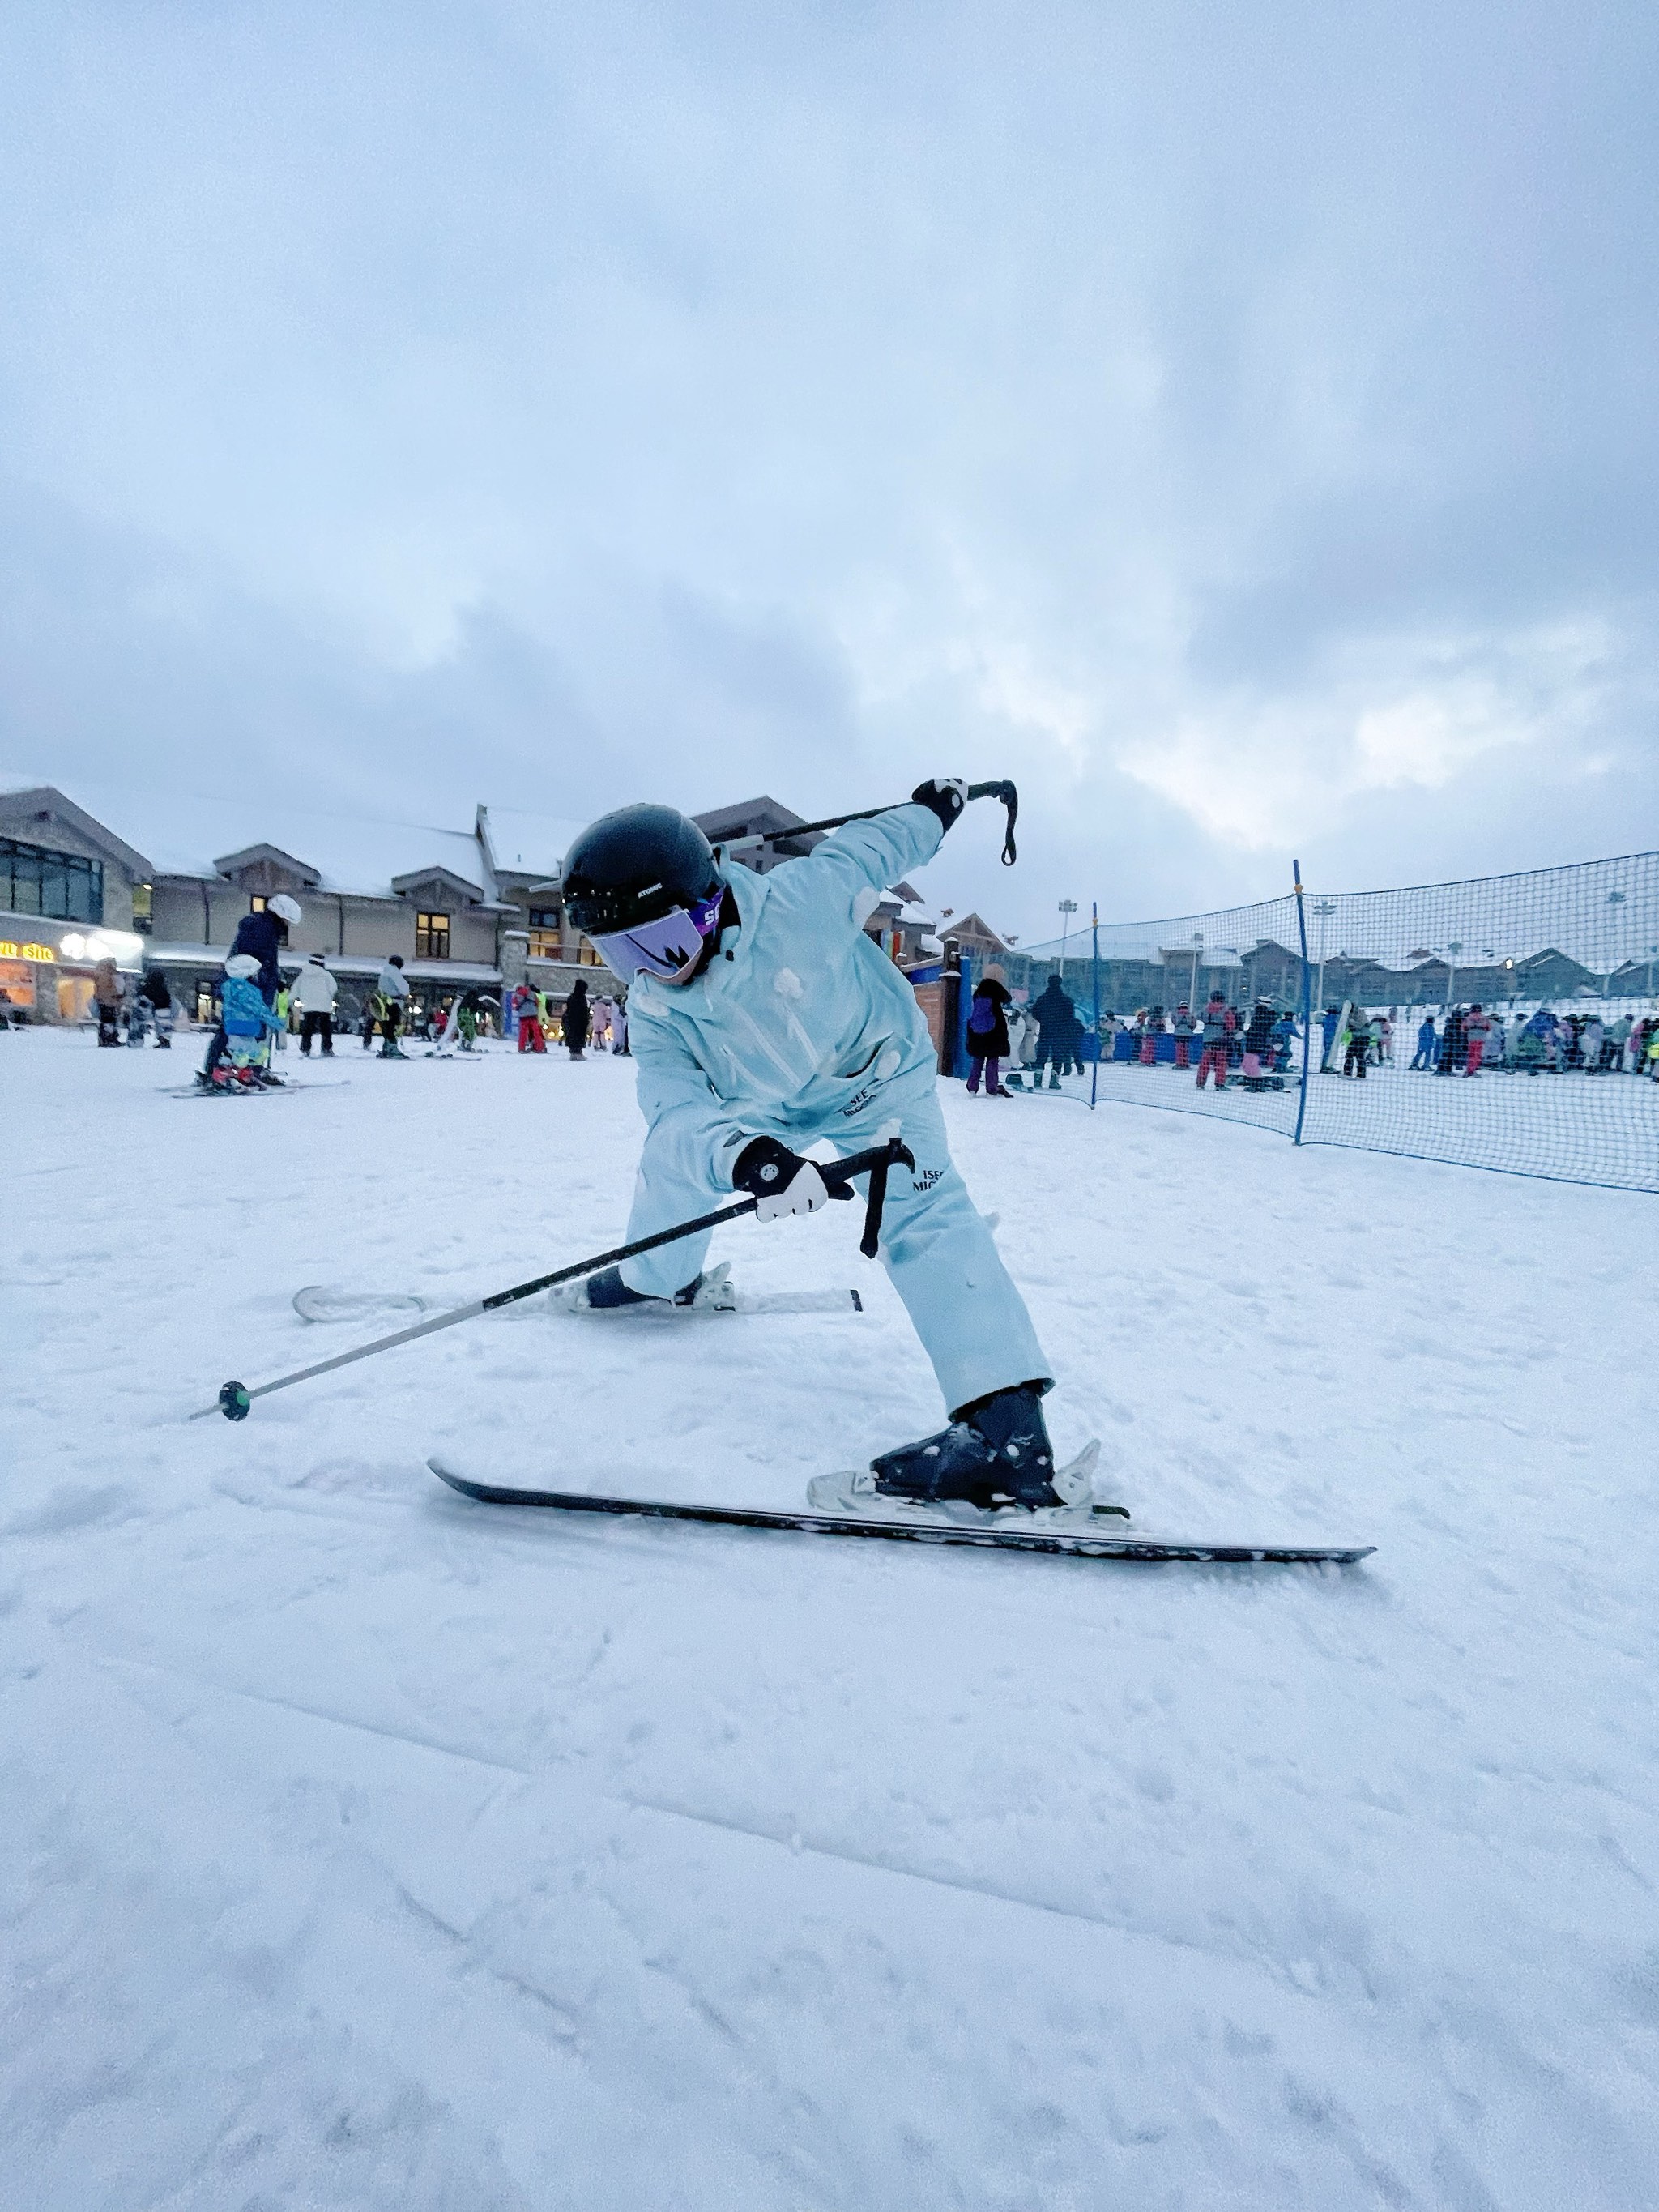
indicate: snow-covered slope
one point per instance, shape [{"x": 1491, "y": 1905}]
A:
[{"x": 364, "y": 1848}]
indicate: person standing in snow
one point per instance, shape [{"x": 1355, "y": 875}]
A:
[
  {"x": 161, "y": 1006},
  {"x": 527, "y": 1020},
  {"x": 314, "y": 993},
  {"x": 577, "y": 1019},
  {"x": 248, "y": 1019},
  {"x": 1423, "y": 1058},
  {"x": 1258, "y": 1045},
  {"x": 1218, "y": 1021},
  {"x": 765, "y": 1020},
  {"x": 259, "y": 936},
  {"x": 106, "y": 997},
  {"x": 1454, "y": 1042},
  {"x": 1056, "y": 1020},
  {"x": 1184, "y": 1025},
  {"x": 392, "y": 990},
  {"x": 987, "y": 1031}
]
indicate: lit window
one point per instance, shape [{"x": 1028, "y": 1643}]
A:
[
  {"x": 546, "y": 939},
  {"x": 432, "y": 936},
  {"x": 259, "y": 903}
]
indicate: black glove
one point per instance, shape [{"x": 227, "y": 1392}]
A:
[
  {"x": 944, "y": 795},
  {"x": 780, "y": 1179}
]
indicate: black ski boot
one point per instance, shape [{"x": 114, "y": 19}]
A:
[
  {"x": 606, "y": 1292},
  {"x": 995, "y": 1452}
]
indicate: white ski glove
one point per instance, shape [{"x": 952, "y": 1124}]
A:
[{"x": 781, "y": 1180}]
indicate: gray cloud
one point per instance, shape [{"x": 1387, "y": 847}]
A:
[{"x": 1235, "y": 423}]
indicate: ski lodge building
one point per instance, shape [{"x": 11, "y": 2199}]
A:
[{"x": 479, "y": 908}]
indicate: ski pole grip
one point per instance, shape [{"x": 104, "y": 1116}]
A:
[{"x": 1010, "y": 798}]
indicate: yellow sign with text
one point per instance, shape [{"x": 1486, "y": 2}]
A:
[{"x": 8, "y": 950}]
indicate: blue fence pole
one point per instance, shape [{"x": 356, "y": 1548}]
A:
[
  {"x": 1307, "y": 1000},
  {"x": 1094, "y": 965},
  {"x": 969, "y": 976}
]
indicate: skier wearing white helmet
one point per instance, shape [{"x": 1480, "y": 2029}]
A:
[{"x": 259, "y": 935}]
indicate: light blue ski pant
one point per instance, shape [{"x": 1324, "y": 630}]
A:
[{"x": 935, "y": 1244}]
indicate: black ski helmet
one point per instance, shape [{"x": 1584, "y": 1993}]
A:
[{"x": 636, "y": 865}]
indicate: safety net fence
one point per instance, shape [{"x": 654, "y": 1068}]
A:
[{"x": 1508, "y": 1022}]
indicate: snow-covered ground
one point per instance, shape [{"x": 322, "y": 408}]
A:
[
  {"x": 362, "y": 1848},
  {"x": 1598, "y": 1128}
]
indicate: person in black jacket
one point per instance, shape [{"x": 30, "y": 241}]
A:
[
  {"x": 988, "y": 1032},
  {"x": 262, "y": 935},
  {"x": 1258, "y": 1043},
  {"x": 1059, "y": 1029},
  {"x": 577, "y": 1019},
  {"x": 160, "y": 1001}
]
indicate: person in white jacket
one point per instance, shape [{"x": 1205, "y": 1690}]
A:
[
  {"x": 392, "y": 995},
  {"x": 764, "y": 1020},
  {"x": 314, "y": 991}
]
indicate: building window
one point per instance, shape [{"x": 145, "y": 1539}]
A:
[
  {"x": 546, "y": 938},
  {"x": 57, "y": 886},
  {"x": 432, "y": 936},
  {"x": 144, "y": 909},
  {"x": 259, "y": 903}
]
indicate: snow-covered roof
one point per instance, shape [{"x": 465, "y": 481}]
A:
[
  {"x": 185, "y": 832},
  {"x": 526, "y": 843}
]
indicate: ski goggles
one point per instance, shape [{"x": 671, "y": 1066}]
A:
[{"x": 670, "y": 947}]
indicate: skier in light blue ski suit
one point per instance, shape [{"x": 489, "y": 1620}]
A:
[{"x": 799, "y": 1029}]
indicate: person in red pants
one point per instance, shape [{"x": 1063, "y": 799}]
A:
[
  {"x": 530, "y": 1027},
  {"x": 1219, "y": 1023}
]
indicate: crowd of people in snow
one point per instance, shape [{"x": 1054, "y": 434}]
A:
[
  {"x": 582, "y": 1023},
  {"x": 1223, "y": 1043},
  {"x": 1254, "y": 1046}
]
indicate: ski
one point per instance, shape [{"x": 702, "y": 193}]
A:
[
  {"x": 738, "y": 1301},
  {"x": 199, "y": 1090},
  {"x": 1064, "y": 1543}
]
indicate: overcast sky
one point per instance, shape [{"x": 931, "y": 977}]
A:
[{"x": 1236, "y": 422}]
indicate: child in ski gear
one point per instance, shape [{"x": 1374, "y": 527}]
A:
[
  {"x": 1426, "y": 1044},
  {"x": 528, "y": 1020},
  {"x": 1219, "y": 1021},
  {"x": 987, "y": 1031},
  {"x": 1184, "y": 1025},
  {"x": 258, "y": 937},
  {"x": 764, "y": 1020},
  {"x": 247, "y": 1020}
]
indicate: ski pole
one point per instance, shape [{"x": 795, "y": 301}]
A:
[
  {"x": 1003, "y": 791},
  {"x": 234, "y": 1398}
]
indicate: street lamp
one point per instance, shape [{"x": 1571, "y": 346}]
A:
[
  {"x": 1067, "y": 908},
  {"x": 1192, "y": 988},
  {"x": 1615, "y": 900},
  {"x": 1323, "y": 907}
]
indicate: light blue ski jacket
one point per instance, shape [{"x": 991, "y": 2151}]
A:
[{"x": 797, "y": 1015}]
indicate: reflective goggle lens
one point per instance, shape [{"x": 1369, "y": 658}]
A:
[{"x": 670, "y": 947}]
